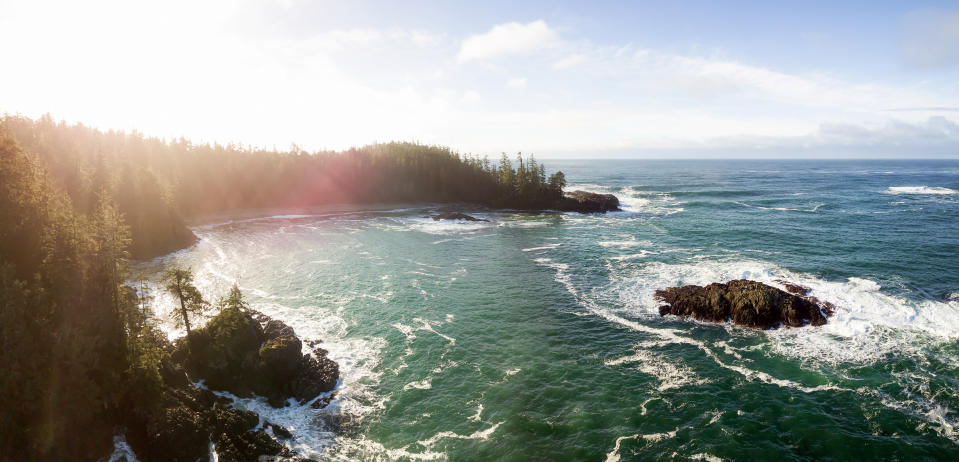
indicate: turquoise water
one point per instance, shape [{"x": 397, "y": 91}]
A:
[{"x": 536, "y": 336}]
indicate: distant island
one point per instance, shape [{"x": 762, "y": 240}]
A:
[{"x": 83, "y": 357}]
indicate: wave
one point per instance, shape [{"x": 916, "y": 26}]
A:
[
  {"x": 867, "y": 327},
  {"x": 782, "y": 209},
  {"x": 923, "y": 190},
  {"x": 862, "y": 329},
  {"x": 634, "y": 202}
]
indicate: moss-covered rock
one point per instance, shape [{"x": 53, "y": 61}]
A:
[{"x": 247, "y": 353}]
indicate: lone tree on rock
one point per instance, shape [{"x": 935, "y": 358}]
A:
[
  {"x": 179, "y": 283},
  {"x": 234, "y": 300}
]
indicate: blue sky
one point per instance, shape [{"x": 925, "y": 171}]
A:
[{"x": 576, "y": 79}]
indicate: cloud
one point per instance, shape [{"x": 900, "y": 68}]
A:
[
  {"x": 471, "y": 97},
  {"x": 519, "y": 82},
  {"x": 572, "y": 60},
  {"x": 508, "y": 39},
  {"x": 931, "y": 38}
]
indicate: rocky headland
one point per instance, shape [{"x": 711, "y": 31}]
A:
[
  {"x": 242, "y": 352},
  {"x": 747, "y": 303}
]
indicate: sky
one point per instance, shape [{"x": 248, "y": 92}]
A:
[{"x": 559, "y": 79}]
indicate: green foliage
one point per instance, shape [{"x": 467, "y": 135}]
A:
[
  {"x": 154, "y": 182},
  {"x": 179, "y": 283},
  {"x": 233, "y": 300},
  {"x": 76, "y": 345}
]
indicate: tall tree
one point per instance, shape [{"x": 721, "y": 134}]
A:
[{"x": 179, "y": 283}]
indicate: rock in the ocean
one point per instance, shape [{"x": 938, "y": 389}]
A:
[
  {"x": 745, "y": 302},
  {"x": 246, "y": 353},
  {"x": 455, "y": 216},
  {"x": 588, "y": 202}
]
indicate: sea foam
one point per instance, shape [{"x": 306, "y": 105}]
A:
[{"x": 926, "y": 190}]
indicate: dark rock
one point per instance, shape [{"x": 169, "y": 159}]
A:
[
  {"x": 282, "y": 356},
  {"x": 318, "y": 376},
  {"x": 455, "y": 216},
  {"x": 248, "y": 446},
  {"x": 249, "y": 353},
  {"x": 177, "y": 433},
  {"x": 745, "y": 302},
  {"x": 280, "y": 431},
  {"x": 588, "y": 202},
  {"x": 794, "y": 289}
]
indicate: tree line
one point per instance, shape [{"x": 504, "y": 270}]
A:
[
  {"x": 81, "y": 354},
  {"x": 158, "y": 184}
]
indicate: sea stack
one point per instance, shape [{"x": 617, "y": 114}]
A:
[
  {"x": 588, "y": 202},
  {"x": 745, "y": 302}
]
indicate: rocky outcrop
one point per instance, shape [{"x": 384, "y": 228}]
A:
[
  {"x": 745, "y": 302},
  {"x": 588, "y": 202},
  {"x": 191, "y": 418},
  {"x": 247, "y": 353},
  {"x": 455, "y": 216},
  {"x": 244, "y": 353}
]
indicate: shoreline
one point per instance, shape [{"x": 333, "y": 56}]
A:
[{"x": 227, "y": 217}]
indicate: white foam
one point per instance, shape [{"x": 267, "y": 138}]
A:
[
  {"x": 669, "y": 373},
  {"x": 783, "y": 209},
  {"x": 706, "y": 457},
  {"x": 657, "y": 437},
  {"x": 545, "y": 247},
  {"x": 856, "y": 332},
  {"x": 479, "y": 413},
  {"x": 627, "y": 243},
  {"x": 613, "y": 456},
  {"x": 424, "y": 384},
  {"x": 122, "y": 452},
  {"x": 445, "y": 227},
  {"x": 924, "y": 190}
]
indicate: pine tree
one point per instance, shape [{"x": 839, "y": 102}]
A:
[
  {"x": 179, "y": 283},
  {"x": 234, "y": 300}
]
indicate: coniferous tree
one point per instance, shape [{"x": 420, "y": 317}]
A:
[{"x": 179, "y": 283}]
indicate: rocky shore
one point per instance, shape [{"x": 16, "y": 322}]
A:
[
  {"x": 747, "y": 303},
  {"x": 245, "y": 353}
]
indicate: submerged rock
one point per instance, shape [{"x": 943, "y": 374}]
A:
[
  {"x": 588, "y": 202},
  {"x": 455, "y": 216},
  {"x": 745, "y": 302}
]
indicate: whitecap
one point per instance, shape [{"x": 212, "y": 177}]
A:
[
  {"x": 924, "y": 190},
  {"x": 613, "y": 456}
]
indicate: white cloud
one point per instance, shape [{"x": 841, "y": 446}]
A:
[
  {"x": 340, "y": 88},
  {"x": 471, "y": 97},
  {"x": 508, "y": 39},
  {"x": 572, "y": 60},
  {"x": 519, "y": 82}
]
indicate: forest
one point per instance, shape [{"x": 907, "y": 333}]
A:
[
  {"x": 157, "y": 185},
  {"x": 80, "y": 350}
]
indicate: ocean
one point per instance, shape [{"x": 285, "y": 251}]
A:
[{"x": 536, "y": 336}]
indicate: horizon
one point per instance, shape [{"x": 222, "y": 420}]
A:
[{"x": 652, "y": 81}]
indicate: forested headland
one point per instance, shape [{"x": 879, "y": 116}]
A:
[
  {"x": 82, "y": 356},
  {"x": 157, "y": 184}
]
